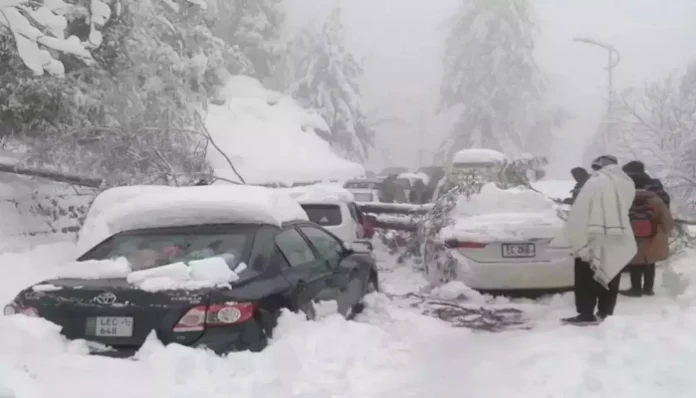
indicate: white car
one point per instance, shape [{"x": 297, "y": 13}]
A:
[
  {"x": 333, "y": 208},
  {"x": 518, "y": 259},
  {"x": 498, "y": 240},
  {"x": 341, "y": 218}
]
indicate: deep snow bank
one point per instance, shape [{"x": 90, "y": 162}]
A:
[{"x": 270, "y": 138}]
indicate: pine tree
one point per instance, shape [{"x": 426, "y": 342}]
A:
[
  {"x": 490, "y": 75},
  {"x": 325, "y": 77},
  {"x": 256, "y": 27}
]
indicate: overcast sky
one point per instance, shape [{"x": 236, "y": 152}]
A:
[{"x": 400, "y": 42}]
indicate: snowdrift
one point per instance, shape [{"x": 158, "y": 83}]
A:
[{"x": 270, "y": 139}]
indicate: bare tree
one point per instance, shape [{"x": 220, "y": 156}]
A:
[{"x": 659, "y": 128}]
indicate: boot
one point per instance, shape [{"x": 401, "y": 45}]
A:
[
  {"x": 632, "y": 292},
  {"x": 582, "y": 320}
]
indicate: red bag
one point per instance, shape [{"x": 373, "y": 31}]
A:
[{"x": 644, "y": 229}]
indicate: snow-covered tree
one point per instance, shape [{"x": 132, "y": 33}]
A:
[
  {"x": 492, "y": 80},
  {"x": 659, "y": 128},
  {"x": 325, "y": 77},
  {"x": 41, "y": 35},
  {"x": 256, "y": 27},
  {"x": 128, "y": 114}
]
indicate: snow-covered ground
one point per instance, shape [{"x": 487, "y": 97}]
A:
[{"x": 392, "y": 350}]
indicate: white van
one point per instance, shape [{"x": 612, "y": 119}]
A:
[{"x": 341, "y": 218}]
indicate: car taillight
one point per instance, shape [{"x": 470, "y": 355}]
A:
[
  {"x": 12, "y": 309},
  {"x": 200, "y": 317},
  {"x": 455, "y": 244}
]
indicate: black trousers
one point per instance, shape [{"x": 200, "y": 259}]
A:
[
  {"x": 590, "y": 294},
  {"x": 642, "y": 276}
]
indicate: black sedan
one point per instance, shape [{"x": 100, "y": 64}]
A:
[{"x": 290, "y": 267}]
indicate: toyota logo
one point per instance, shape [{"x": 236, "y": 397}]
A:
[{"x": 105, "y": 298}]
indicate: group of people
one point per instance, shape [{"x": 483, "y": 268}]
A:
[{"x": 619, "y": 218}]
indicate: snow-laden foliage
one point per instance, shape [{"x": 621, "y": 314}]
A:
[
  {"x": 324, "y": 75},
  {"x": 492, "y": 80},
  {"x": 657, "y": 125},
  {"x": 256, "y": 27},
  {"x": 132, "y": 113},
  {"x": 44, "y": 31}
]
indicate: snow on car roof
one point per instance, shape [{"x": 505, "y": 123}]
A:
[
  {"x": 318, "y": 193},
  {"x": 502, "y": 214},
  {"x": 157, "y": 207},
  {"x": 479, "y": 155}
]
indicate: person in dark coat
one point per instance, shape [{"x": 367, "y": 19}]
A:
[
  {"x": 653, "y": 249},
  {"x": 637, "y": 168},
  {"x": 580, "y": 175}
]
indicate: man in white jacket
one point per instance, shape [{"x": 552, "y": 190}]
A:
[{"x": 599, "y": 234}]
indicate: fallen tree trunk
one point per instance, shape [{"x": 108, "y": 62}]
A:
[
  {"x": 393, "y": 208},
  {"x": 396, "y": 223},
  {"x": 58, "y": 176}
]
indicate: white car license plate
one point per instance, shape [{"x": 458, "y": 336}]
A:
[
  {"x": 112, "y": 326},
  {"x": 519, "y": 250}
]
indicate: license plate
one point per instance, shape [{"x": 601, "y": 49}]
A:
[
  {"x": 519, "y": 250},
  {"x": 110, "y": 326}
]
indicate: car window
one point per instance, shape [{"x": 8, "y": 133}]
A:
[
  {"x": 150, "y": 248},
  {"x": 279, "y": 259},
  {"x": 326, "y": 215},
  {"x": 329, "y": 248},
  {"x": 295, "y": 248}
]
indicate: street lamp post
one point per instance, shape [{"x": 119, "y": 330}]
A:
[{"x": 613, "y": 61}]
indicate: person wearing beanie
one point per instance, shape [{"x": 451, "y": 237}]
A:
[
  {"x": 637, "y": 168},
  {"x": 599, "y": 235}
]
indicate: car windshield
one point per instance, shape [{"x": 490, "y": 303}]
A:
[
  {"x": 152, "y": 248},
  {"x": 363, "y": 196},
  {"x": 324, "y": 215}
]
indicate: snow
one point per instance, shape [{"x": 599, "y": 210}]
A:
[
  {"x": 479, "y": 155},
  {"x": 413, "y": 177},
  {"x": 319, "y": 193},
  {"x": 45, "y": 287},
  {"x": 131, "y": 208},
  {"x": 495, "y": 214},
  {"x": 94, "y": 269},
  {"x": 270, "y": 139},
  {"x": 94, "y": 230},
  {"x": 28, "y": 37},
  {"x": 197, "y": 274},
  {"x": 559, "y": 189},
  {"x": 646, "y": 350}
]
